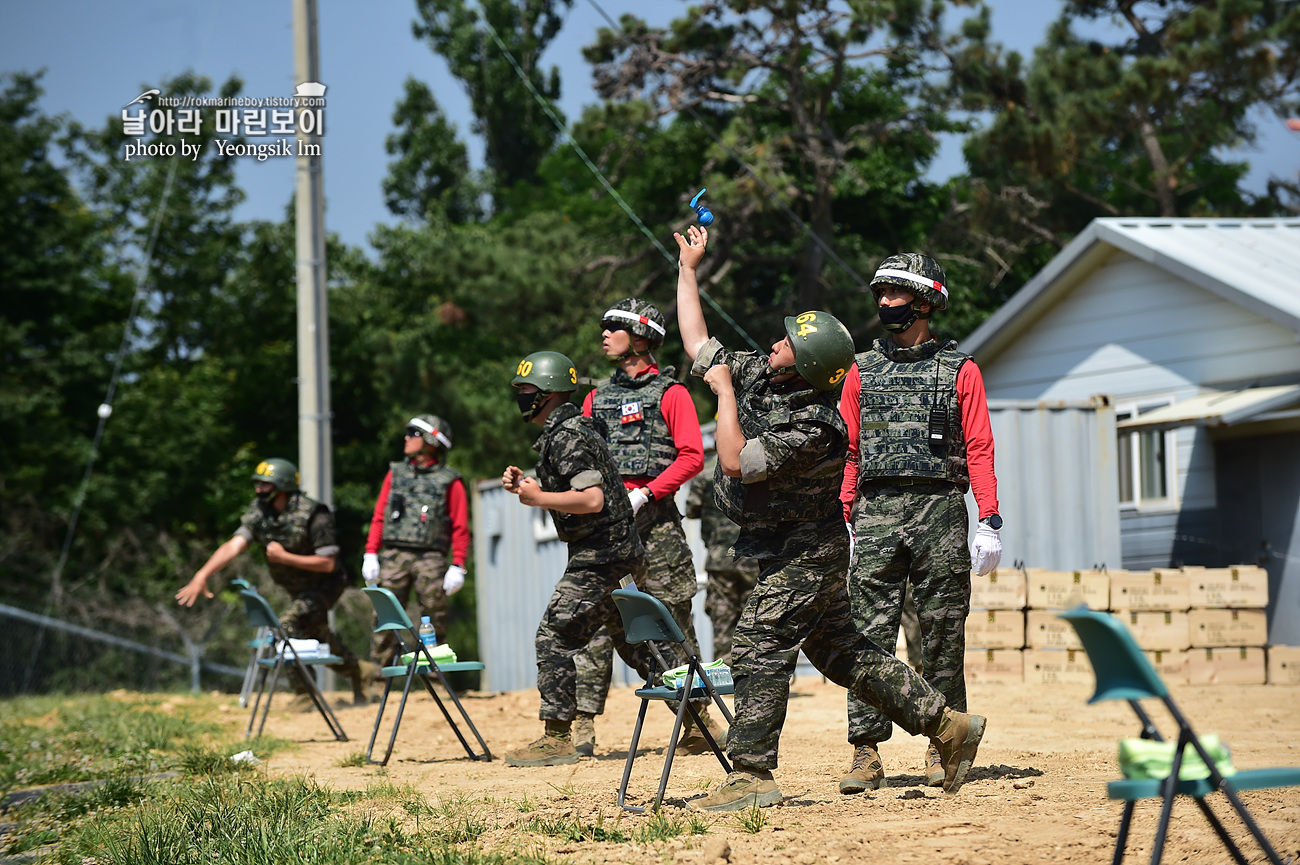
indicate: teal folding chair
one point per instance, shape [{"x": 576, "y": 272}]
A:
[
  {"x": 646, "y": 619},
  {"x": 260, "y": 615},
  {"x": 1124, "y": 673},
  {"x": 259, "y": 644},
  {"x": 392, "y": 617}
]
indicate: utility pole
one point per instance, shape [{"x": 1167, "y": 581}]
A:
[{"x": 315, "y": 457}]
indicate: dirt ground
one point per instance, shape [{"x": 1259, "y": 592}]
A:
[{"x": 1036, "y": 794}]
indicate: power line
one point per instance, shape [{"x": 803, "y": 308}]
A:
[
  {"x": 771, "y": 193},
  {"x": 105, "y": 411},
  {"x": 600, "y": 175}
]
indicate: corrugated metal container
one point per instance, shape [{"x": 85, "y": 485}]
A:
[
  {"x": 1058, "y": 487},
  {"x": 517, "y": 562}
]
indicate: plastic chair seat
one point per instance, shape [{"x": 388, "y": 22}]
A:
[
  {"x": 663, "y": 692},
  {"x": 456, "y": 667},
  {"x": 1131, "y": 789},
  {"x": 307, "y": 660}
]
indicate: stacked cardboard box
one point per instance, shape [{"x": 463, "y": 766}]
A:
[
  {"x": 995, "y": 628},
  {"x": 1227, "y": 624},
  {"x": 1153, "y": 606},
  {"x": 1053, "y": 653}
]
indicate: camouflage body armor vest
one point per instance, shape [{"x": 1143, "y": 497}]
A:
[
  {"x": 565, "y": 423},
  {"x": 417, "y": 517},
  {"x": 627, "y": 412},
  {"x": 809, "y": 497},
  {"x": 899, "y": 388},
  {"x": 291, "y": 530}
]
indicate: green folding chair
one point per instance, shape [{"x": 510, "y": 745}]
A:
[
  {"x": 646, "y": 619},
  {"x": 1124, "y": 673},
  {"x": 392, "y": 617},
  {"x": 260, "y": 615}
]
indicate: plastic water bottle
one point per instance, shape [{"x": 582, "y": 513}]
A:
[{"x": 427, "y": 635}]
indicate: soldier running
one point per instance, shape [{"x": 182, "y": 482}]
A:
[
  {"x": 302, "y": 554},
  {"x": 648, "y": 420},
  {"x": 919, "y": 437},
  {"x": 781, "y": 446},
  {"x": 579, "y": 483}
]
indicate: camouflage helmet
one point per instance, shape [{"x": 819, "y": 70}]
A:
[
  {"x": 914, "y": 272},
  {"x": 282, "y": 473},
  {"x": 434, "y": 431},
  {"x": 550, "y": 371},
  {"x": 638, "y": 318},
  {"x": 823, "y": 348}
]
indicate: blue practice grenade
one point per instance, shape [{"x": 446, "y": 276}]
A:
[{"x": 706, "y": 217}]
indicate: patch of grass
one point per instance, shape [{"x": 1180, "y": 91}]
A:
[
  {"x": 573, "y": 829},
  {"x": 353, "y": 760},
  {"x": 661, "y": 826},
  {"x": 194, "y": 760},
  {"x": 45, "y": 820},
  {"x": 566, "y": 791},
  {"x": 525, "y": 805},
  {"x": 752, "y": 820}
]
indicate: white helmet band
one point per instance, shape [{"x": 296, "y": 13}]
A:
[
  {"x": 632, "y": 316},
  {"x": 912, "y": 277},
  {"x": 428, "y": 428}
]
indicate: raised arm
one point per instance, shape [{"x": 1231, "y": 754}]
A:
[{"x": 690, "y": 317}]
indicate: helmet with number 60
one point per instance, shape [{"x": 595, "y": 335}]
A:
[
  {"x": 282, "y": 473},
  {"x": 823, "y": 348},
  {"x": 550, "y": 371}
]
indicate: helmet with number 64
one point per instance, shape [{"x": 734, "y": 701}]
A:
[{"x": 823, "y": 348}]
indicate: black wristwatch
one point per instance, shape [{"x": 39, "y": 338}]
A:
[{"x": 993, "y": 521}]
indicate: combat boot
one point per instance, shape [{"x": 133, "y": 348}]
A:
[
  {"x": 934, "y": 773},
  {"x": 743, "y": 789},
  {"x": 555, "y": 748},
  {"x": 956, "y": 737},
  {"x": 692, "y": 740},
  {"x": 584, "y": 734},
  {"x": 867, "y": 771}
]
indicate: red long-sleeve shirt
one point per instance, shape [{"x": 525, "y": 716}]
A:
[
  {"x": 684, "y": 426},
  {"x": 457, "y": 511},
  {"x": 974, "y": 407}
]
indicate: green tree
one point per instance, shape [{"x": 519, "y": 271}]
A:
[
  {"x": 431, "y": 169},
  {"x": 516, "y": 132}
]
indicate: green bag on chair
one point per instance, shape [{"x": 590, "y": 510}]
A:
[{"x": 1146, "y": 758}]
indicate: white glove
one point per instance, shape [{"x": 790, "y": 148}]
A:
[
  {"x": 852, "y": 540},
  {"x": 638, "y": 497},
  {"x": 370, "y": 568},
  {"x": 453, "y": 580},
  {"x": 987, "y": 552}
]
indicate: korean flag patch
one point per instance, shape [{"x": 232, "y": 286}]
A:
[{"x": 631, "y": 411}]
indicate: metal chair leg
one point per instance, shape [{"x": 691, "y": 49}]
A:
[
  {"x": 261, "y": 687},
  {"x": 1121, "y": 839},
  {"x": 1170, "y": 792},
  {"x": 388, "y": 686},
  {"x": 684, "y": 706},
  {"x": 401, "y": 709},
  {"x": 631, "y": 755},
  {"x": 1221, "y": 831}
]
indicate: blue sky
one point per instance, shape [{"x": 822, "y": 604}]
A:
[{"x": 98, "y": 56}]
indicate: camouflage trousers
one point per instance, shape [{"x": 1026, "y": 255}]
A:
[
  {"x": 401, "y": 570},
  {"x": 307, "y": 618},
  {"x": 804, "y": 601},
  {"x": 725, "y": 599},
  {"x": 670, "y": 577},
  {"x": 911, "y": 536},
  {"x": 579, "y": 606}
]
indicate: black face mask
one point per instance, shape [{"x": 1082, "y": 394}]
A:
[
  {"x": 267, "y": 497},
  {"x": 529, "y": 403},
  {"x": 897, "y": 319}
]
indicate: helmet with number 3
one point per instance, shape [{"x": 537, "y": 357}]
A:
[
  {"x": 823, "y": 348},
  {"x": 550, "y": 371}
]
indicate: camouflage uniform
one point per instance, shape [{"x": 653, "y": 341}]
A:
[
  {"x": 416, "y": 541},
  {"x": 787, "y": 504},
  {"x": 730, "y": 579},
  {"x": 306, "y": 528},
  {"x": 909, "y": 518},
  {"x": 642, "y": 448},
  {"x": 603, "y": 548}
]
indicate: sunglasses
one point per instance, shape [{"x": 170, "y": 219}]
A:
[{"x": 414, "y": 432}]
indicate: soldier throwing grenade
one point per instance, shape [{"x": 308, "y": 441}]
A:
[{"x": 303, "y": 556}]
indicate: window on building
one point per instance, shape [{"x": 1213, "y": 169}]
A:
[{"x": 1145, "y": 460}]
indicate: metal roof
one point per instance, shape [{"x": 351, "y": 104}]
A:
[
  {"x": 1252, "y": 262},
  {"x": 1224, "y": 408}
]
